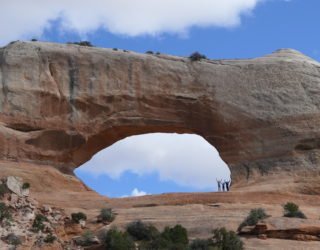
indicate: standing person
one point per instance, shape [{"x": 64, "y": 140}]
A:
[
  {"x": 223, "y": 186},
  {"x": 219, "y": 184},
  {"x": 227, "y": 185}
]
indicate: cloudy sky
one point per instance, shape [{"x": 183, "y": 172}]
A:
[{"x": 158, "y": 163}]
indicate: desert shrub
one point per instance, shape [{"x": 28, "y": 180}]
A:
[
  {"x": 149, "y": 52},
  {"x": 50, "y": 238},
  {"x": 226, "y": 240},
  {"x": 4, "y": 212},
  {"x": 125, "y": 50},
  {"x": 13, "y": 239},
  {"x": 254, "y": 216},
  {"x": 117, "y": 240},
  {"x": 200, "y": 244},
  {"x": 141, "y": 231},
  {"x": 38, "y": 223},
  {"x": 107, "y": 215},
  {"x": 87, "y": 238},
  {"x": 177, "y": 235},
  {"x": 3, "y": 189},
  {"x": 115, "y": 49},
  {"x": 77, "y": 217},
  {"x": 34, "y": 40},
  {"x": 196, "y": 56},
  {"x": 26, "y": 185},
  {"x": 158, "y": 53},
  {"x": 82, "y": 43},
  {"x": 292, "y": 210}
]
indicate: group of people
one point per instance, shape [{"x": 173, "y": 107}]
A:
[{"x": 223, "y": 185}]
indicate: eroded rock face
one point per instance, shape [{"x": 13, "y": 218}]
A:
[{"x": 60, "y": 104}]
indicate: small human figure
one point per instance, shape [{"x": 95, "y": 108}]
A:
[
  {"x": 219, "y": 185},
  {"x": 227, "y": 185}
]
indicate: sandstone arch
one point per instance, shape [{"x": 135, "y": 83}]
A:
[{"x": 62, "y": 103}]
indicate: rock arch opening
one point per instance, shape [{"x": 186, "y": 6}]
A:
[{"x": 155, "y": 163}]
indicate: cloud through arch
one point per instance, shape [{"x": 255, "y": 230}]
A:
[{"x": 187, "y": 160}]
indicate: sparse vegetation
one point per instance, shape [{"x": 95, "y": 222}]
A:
[
  {"x": 87, "y": 238},
  {"x": 26, "y": 185},
  {"x": 150, "y": 238},
  {"x": 34, "y": 40},
  {"x": 77, "y": 217},
  {"x": 196, "y": 56},
  {"x": 3, "y": 189},
  {"x": 117, "y": 240},
  {"x": 200, "y": 244},
  {"x": 254, "y": 216},
  {"x": 4, "y": 212},
  {"x": 106, "y": 215},
  {"x": 177, "y": 235},
  {"x": 38, "y": 223},
  {"x": 115, "y": 49},
  {"x": 141, "y": 231},
  {"x": 158, "y": 53},
  {"x": 292, "y": 210},
  {"x": 149, "y": 52},
  {"x": 13, "y": 239},
  {"x": 82, "y": 43},
  {"x": 50, "y": 238},
  {"x": 226, "y": 240}
]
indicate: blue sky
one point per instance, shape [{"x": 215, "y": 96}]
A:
[{"x": 218, "y": 29}]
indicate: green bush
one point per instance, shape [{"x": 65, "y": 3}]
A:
[
  {"x": 141, "y": 231},
  {"x": 107, "y": 215},
  {"x": 292, "y": 210},
  {"x": 149, "y": 52},
  {"x": 200, "y": 244},
  {"x": 226, "y": 240},
  {"x": 115, "y": 49},
  {"x": 117, "y": 240},
  {"x": 77, "y": 217},
  {"x": 177, "y": 235},
  {"x": 4, "y": 212},
  {"x": 87, "y": 238},
  {"x": 174, "y": 238},
  {"x": 38, "y": 223},
  {"x": 254, "y": 216},
  {"x": 50, "y": 238},
  {"x": 13, "y": 239},
  {"x": 196, "y": 56},
  {"x": 26, "y": 185}
]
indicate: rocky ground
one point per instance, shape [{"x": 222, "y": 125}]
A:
[
  {"x": 27, "y": 224},
  {"x": 198, "y": 212}
]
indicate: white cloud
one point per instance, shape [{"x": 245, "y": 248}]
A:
[
  {"x": 23, "y": 19},
  {"x": 187, "y": 160},
  {"x": 136, "y": 192}
]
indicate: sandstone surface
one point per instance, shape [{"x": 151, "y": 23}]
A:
[{"x": 60, "y": 104}]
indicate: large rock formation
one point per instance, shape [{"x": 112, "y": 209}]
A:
[{"x": 60, "y": 104}]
